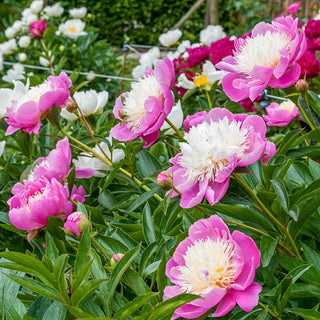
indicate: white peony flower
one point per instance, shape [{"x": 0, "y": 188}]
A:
[
  {"x": 36, "y": 6},
  {"x": 28, "y": 17},
  {"x": 8, "y": 47},
  {"x": 183, "y": 46},
  {"x": 176, "y": 117},
  {"x": 173, "y": 55},
  {"x": 54, "y": 11},
  {"x": 87, "y": 161},
  {"x": 211, "y": 34},
  {"x": 73, "y": 28},
  {"x": 1, "y": 60},
  {"x": 138, "y": 72},
  {"x": 24, "y": 41},
  {"x": 10, "y": 33},
  {"x": 170, "y": 38},
  {"x": 17, "y": 26},
  {"x": 149, "y": 58},
  {"x": 78, "y": 13},
  {"x": 16, "y": 73},
  {"x": 22, "y": 56},
  {"x": 2, "y": 145},
  {"x": 91, "y": 75},
  {"x": 45, "y": 62}
]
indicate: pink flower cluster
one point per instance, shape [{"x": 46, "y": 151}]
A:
[
  {"x": 216, "y": 265},
  {"x": 46, "y": 192}
]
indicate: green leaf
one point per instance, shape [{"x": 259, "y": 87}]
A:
[
  {"x": 78, "y": 313},
  {"x": 162, "y": 279},
  {"x": 311, "y": 256},
  {"x": 59, "y": 273},
  {"x": 81, "y": 275},
  {"x": 282, "y": 293},
  {"x": 306, "y": 314},
  {"x": 147, "y": 164},
  {"x": 147, "y": 225},
  {"x": 83, "y": 250},
  {"x": 143, "y": 198},
  {"x": 282, "y": 193},
  {"x": 51, "y": 249},
  {"x": 267, "y": 247},
  {"x": 38, "y": 308},
  {"x": 189, "y": 93},
  {"x": 290, "y": 141},
  {"x": 55, "y": 227},
  {"x": 56, "y": 311},
  {"x": 71, "y": 178}
]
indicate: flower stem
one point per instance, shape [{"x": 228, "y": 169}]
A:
[
  {"x": 305, "y": 116},
  {"x": 209, "y": 100},
  {"x": 270, "y": 311},
  {"x": 109, "y": 163},
  {"x": 282, "y": 228},
  {"x": 47, "y": 52},
  {"x": 178, "y": 132},
  {"x": 309, "y": 110}
]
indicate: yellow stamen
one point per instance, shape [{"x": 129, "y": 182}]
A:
[{"x": 200, "y": 80}]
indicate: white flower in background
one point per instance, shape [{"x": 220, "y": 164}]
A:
[
  {"x": 208, "y": 76},
  {"x": 8, "y": 47},
  {"x": 149, "y": 58},
  {"x": 91, "y": 75},
  {"x": 73, "y": 28},
  {"x": 176, "y": 117},
  {"x": 173, "y": 55},
  {"x": 78, "y": 13},
  {"x": 10, "y": 33},
  {"x": 22, "y": 56},
  {"x": 138, "y": 72},
  {"x": 87, "y": 161},
  {"x": 16, "y": 73},
  {"x": 28, "y": 17},
  {"x": 68, "y": 115},
  {"x": 44, "y": 61},
  {"x": 170, "y": 38},
  {"x": 183, "y": 46},
  {"x": 185, "y": 55},
  {"x": 36, "y": 6},
  {"x": 54, "y": 11},
  {"x": 211, "y": 34},
  {"x": 1, "y": 60},
  {"x": 17, "y": 26},
  {"x": 2, "y": 145},
  {"x": 24, "y": 41},
  {"x": 5, "y": 101}
]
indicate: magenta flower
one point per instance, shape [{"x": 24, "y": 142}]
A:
[
  {"x": 146, "y": 106},
  {"x": 37, "y": 28},
  {"x": 34, "y": 201},
  {"x": 57, "y": 164},
  {"x": 28, "y": 106},
  {"x": 309, "y": 65},
  {"x": 312, "y": 29},
  {"x": 76, "y": 223},
  {"x": 213, "y": 149},
  {"x": 221, "y": 49},
  {"x": 269, "y": 152},
  {"x": 216, "y": 265},
  {"x": 267, "y": 58},
  {"x": 193, "y": 120},
  {"x": 280, "y": 115},
  {"x": 293, "y": 8}
]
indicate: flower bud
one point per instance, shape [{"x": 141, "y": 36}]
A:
[
  {"x": 71, "y": 105},
  {"x": 76, "y": 223},
  {"x": 37, "y": 28},
  {"x": 302, "y": 85},
  {"x": 164, "y": 180},
  {"x": 61, "y": 48},
  {"x": 115, "y": 258}
]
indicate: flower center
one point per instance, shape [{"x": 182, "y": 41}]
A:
[
  {"x": 209, "y": 146},
  {"x": 34, "y": 195},
  {"x": 262, "y": 50},
  {"x": 72, "y": 29},
  {"x": 200, "y": 80},
  {"x": 287, "y": 105},
  {"x": 208, "y": 264},
  {"x": 133, "y": 108}
]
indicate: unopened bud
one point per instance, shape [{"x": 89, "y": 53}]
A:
[
  {"x": 71, "y": 105},
  {"x": 164, "y": 180},
  {"x": 302, "y": 85},
  {"x": 76, "y": 223},
  {"x": 115, "y": 258},
  {"x": 61, "y": 47}
]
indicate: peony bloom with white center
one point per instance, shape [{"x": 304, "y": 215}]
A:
[
  {"x": 15, "y": 73},
  {"x": 73, "y": 28},
  {"x": 8, "y": 47},
  {"x": 10, "y": 33},
  {"x": 176, "y": 117},
  {"x": 213, "y": 149},
  {"x": 169, "y": 38},
  {"x": 216, "y": 265},
  {"x": 282, "y": 114},
  {"x": 24, "y": 41},
  {"x": 86, "y": 161},
  {"x": 78, "y": 13},
  {"x": 211, "y": 34},
  {"x": 54, "y": 11},
  {"x": 29, "y": 105},
  {"x": 22, "y": 56},
  {"x": 208, "y": 76},
  {"x": 36, "y": 6},
  {"x": 145, "y": 107},
  {"x": 266, "y": 58}
]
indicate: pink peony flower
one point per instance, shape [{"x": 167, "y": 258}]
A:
[
  {"x": 146, "y": 106},
  {"x": 312, "y": 29},
  {"x": 77, "y": 195},
  {"x": 76, "y": 223},
  {"x": 216, "y": 265},
  {"x": 221, "y": 49},
  {"x": 213, "y": 149},
  {"x": 269, "y": 152},
  {"x": 57, "y": 164},
  {"x": 193, "y": 120},
  {"x": 267, "y": 58},
  {"x": 34, "y": 201},
  {"x": 29, "y": 105},
  {"x": 37, "y": 28},
  {"x": 196, "y": 56},
  {"x": 293, "y": 8},
  {"x": 309, "y": 65},
  {"x": 279, "y": 115}
]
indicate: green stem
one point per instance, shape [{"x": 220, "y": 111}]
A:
[
  {"x": 305, "y": 116},
  {"x": 270, "y": 311},
  {"x": 309, "y": 110},
  {"x": 109, "y": 163},
  {"x": 178, "y": 132},
  {"x": 282, "y": 228},
  {"x": 209, "y": 100},
  {"x": 99, "y": 246}
]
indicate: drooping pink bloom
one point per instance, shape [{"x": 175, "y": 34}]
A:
[
  {"x": 37, "y": 28},
  {"x": 267, "y": 58},
  {"x": 279, "y": 115},
  {"x": 213, "y": 149},
  {"x": 293, "y": 8},
  {"x": 34, "y": 201},
  {"x": 146, "y": 106},
  {"x": 216, "y": 265},
  {"x": 29, "y": 105},
  {"x": 57, "y": 164},
  {"x": 309, "y": 65},
  {"x": 76, "y": 223},
  {"x": 193, "y": 120}
]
